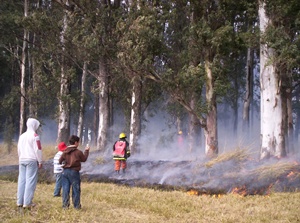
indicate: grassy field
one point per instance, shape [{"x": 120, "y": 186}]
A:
[{"x": 115, "y": 203}]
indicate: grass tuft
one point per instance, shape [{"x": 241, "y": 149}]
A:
[
  {"x": 237, "y": 155},
  {"x": 275, "y": 171}
]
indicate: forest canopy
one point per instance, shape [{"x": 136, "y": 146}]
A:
[{"x": 208, "y": 65}]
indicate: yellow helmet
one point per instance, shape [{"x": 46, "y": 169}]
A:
[
  {"x": 122, "y": 135},
  {"x": 180, "y": 132}
]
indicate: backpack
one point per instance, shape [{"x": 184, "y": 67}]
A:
[{"x": 120, "y": 149}]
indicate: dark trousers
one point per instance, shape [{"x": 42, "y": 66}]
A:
[
  {"x": 58, "y": 184},
  {"x": 71, "y": 178}
]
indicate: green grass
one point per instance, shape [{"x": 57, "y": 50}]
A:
[{"x": 115, "y": 203}]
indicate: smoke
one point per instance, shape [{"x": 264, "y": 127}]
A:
[
  {"x": 160, "y": 160},
  {"x": 48, "y": 131}
]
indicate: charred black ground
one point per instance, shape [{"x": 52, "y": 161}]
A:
[{"x": 228, "y": 174}]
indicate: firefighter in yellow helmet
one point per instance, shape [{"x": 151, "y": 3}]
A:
[{"x": 120, "y": 153}]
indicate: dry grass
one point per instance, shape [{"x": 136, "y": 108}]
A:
[
  {"x": 276, "y": 170},
  {"x": 11, "y": 158},
  {"x": 7, "y": 158},
  {"x": 112, "y": 203},
  {"x": 237, "y": 155}
]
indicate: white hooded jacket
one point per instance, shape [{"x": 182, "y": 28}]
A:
[{"x": 29, "y": 145}]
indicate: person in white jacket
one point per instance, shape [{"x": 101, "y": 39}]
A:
[{"x": 30, "y": 160}]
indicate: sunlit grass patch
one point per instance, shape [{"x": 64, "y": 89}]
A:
[
  {"x": 11, "y": 158},
  {"x": 8, "y": 157},
  {"x": 103, "y": 202}
]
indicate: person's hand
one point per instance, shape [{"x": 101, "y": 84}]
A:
[
  {"x": 87, "y": 147},
  {"x": 40, "y": 165}
]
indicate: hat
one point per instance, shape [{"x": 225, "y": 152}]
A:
[
  {"x": 61, "y": 146},
  {"x": 122, "y": 135}
]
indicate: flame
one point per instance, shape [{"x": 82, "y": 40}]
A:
[
  {"x": 217, "y": 195},
  {"x": 240, "y": 190},
  {"x": 291, "y": 174},
  {"x": 193, "y": 192}
]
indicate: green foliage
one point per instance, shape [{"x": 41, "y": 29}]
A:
[
  {"x": 164, "y": 43},
  {"x": 140, "y": 41},
  {"x": 282, "y": 35}
]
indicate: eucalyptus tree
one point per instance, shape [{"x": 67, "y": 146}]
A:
[
  {"x": 13, "y": 36},
  {"x": 279, "y": 58},
  {"x": 139, "y": 46},
  {"x": 94, "y": 43},
  {"x": 23, "y": 74},
  {"x": 51, "y": 77},
  {"x": 82, "y": 101},
  {"x": 214, "y": 39},
  {"x": 242, "y": 64},
  {"x": 11, "y": 33}
]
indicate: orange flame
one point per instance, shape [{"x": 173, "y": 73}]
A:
[{"x": 193, "y": 192}]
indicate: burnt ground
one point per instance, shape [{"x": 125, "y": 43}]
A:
[{"x": 245, "y": 177}]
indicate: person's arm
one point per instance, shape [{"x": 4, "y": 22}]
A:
[
  {"x": 38, "y": 150},
  {"x": 127, "y": 150},
  {"x": 85, "y": 154}
]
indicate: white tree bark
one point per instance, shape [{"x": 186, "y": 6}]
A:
[
  {"x": 135, "y": 121},
  {"x": 64, "y": 104},
  {"x": 272, "y": 125},
  {"x": 95, "y": 131},
  {"x": 82, "y": 101},
  {"x": 23, "y": 74},
  {"x": 103, "y": 106}
]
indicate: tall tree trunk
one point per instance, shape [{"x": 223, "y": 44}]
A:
[
  {"x": 272, "y": 123},
  {"x": 82, "y": 100},
  {"x": 193, "y": 125},
  {"x": 210, "y": 131},
  {"x": 287, "y": 97},
  {"x": 95, "y": 118},
  {"x": 235, "y": 106},
  {"x": 135, "y": 122},
  {"x": 111, "y": 115},
  {"x": 33, "y": 103},
  {"x": 297, "y": 121},
  {"x": 178, "y": 123},
  {"x": 103, "y": 105},
  {"x": 64, "y": 97},
  {"x": 23, "y": 75},
  {"x": 249, "y": 90}
]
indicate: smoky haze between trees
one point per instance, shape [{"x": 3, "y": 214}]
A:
[{"x": 232, "y": 172}]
